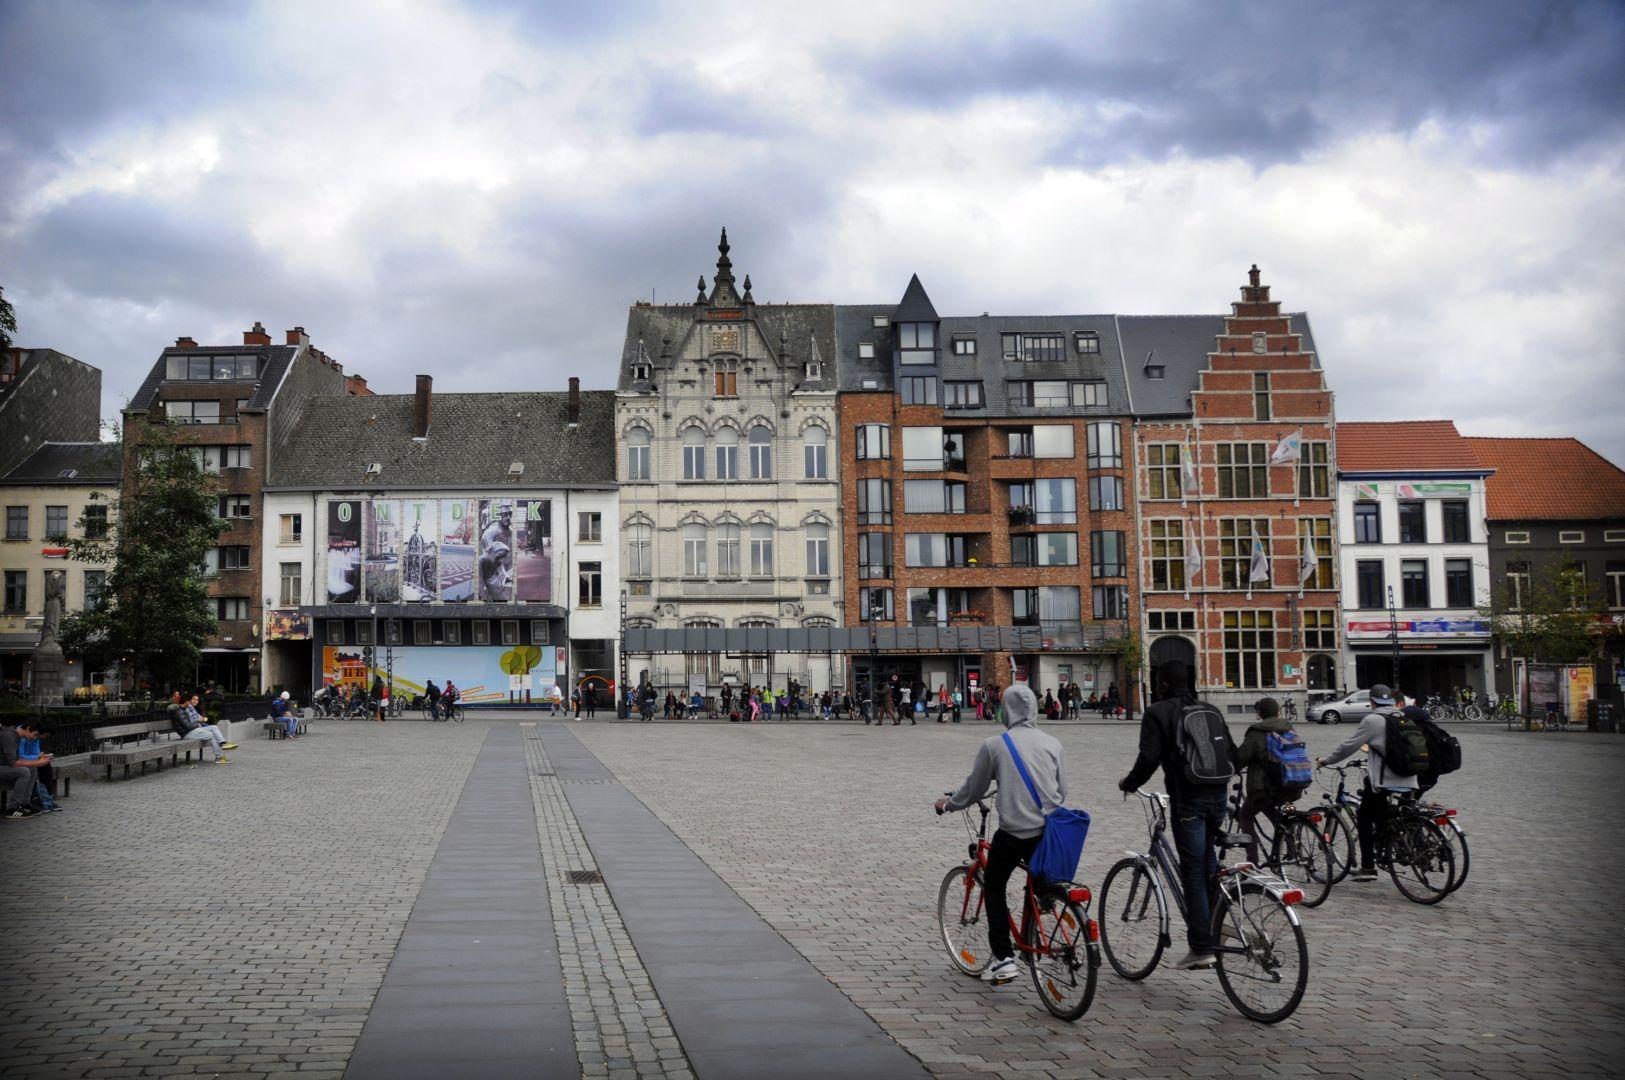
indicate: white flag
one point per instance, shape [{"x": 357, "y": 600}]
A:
[
  {"x": 1192, "y": 487},
  {"x": 1286, "y": 451},
  {"x": 1193, "y": 558},
  {"x": 1260, "y": 570},
  {"x": 1307, "y": 568}
]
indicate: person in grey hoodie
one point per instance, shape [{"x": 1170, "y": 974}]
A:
[
  {"x": 1021, "y": 823},
  {"x": 1372, "y": 732}
]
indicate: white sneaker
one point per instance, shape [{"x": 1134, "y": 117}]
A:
[
  {"x": 1192, "y": 960},
  {"x": 1001, "y": 971}
]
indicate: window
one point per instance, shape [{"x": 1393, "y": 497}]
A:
[
  {"x": 1613, "y": 536},
  {"x": 874, "y": 502},
  {"x": 1320, "y": 629},
  {"x": 1579, "y": 587},
  {"x": 874, "y": 555},
  {"x": 1105, "y": 446},
  {"x": 16, "y": 591},
  {"x": 1105, "y": 493},
  {"x": 232, "y": 557},
  {"x": 232, "y": 608},
  {"x": 539, "y": 634},
  {"x": 1261, "y": 343},
  {"x": 510, "y": 631},
  {"x": 1315, "y": 537},
  {"x": 1046, "y": 604},
  {"x": 1167, "y": 555},
  {"x": 1517, "y": 538},
  {"x": 1088, "y": 342},
  {"x": 815, "y": 453},
  {"x": 452, "y": 631},
  {"x": 211, "y": 459},
  {"x": 192, "y": 412},
  {"x": 1367, "y": 523},
  {"x": 1020, "y": 443},
  {"x": 189, "y": 367},
  {"x": 1456, "y": 529},
  {"x": 693, "y": 452},
  {"x": 761, "y": 453},
  {"x": 964, "y": 346},
  {"x": 590, "y": 584},
  {"x": 962, "y": 395},
  {"x": 292, "y": 528},
  {"x": 1089, "y": 394},
  {"x": 1571, "y": 536},
  {"x": 875, "y": 604},
  {"x": 292, "y": 583},
  {"x": 1413, "y": 583},
  {"x": 1049, "y": 502},
  {"x": 16, "y": 523},
  {"x": 928, "y": 607},
  {"x": 1371, "y": 590},
  {"x": 1034, "y": 348},
  {"x": 1261, "y": 395},
  {"x": 637, "y": 454},
  {"x": 1614, "y": 572},
  {"x": 1155, "y": 371},
  {"x": 933, "y": 497},
  {"x": 590, "y": 527},
  {"x": 1243, "y": 473},
  {"x": 363, "y": 632},
  {"x": 727, "y": 454},
  {"x": 880, "y": 322},
  {"x": 422, "y": 632},
  {"x": 1106, "y": 554},
  {"x": 639, "y": 551},
  {"x": 1110, "y": 601},
  {"x": 1162, "y": 471},
  {"x": 1236, "y": 539},
  {"x": 1046, "y": 394},
  {"x": 1413, "y": 523},
  {"x": 236, "y": 506},
  {"x": 728, "y": 562},
  {"x": 1171, "y": 620},
  {"x": 1458, "y": 583},
  {"x": 1249, "y": 649},
  {"x": 1517, "y": 585},
  {"x": 1052, "y": 441},
  {"x": 918, "y": 342},
  {"x": 95, "y": 522},
  {"x": 95, "y": 582},
  {"x": 818, "y": 551},
  {"x": 925, "y": 549},
  {"x": 694, "y": 550},
  {"x": 56, "y": 522},
  {"x": 761, "y": 550},
  {"x": 874, "y": 442},
  {"x": 923, "y": 449},
  {"x": 725, "y": 381},
  {"x": 866, "y": 350},
  {"x": 1045, "y": 549},
  {"x": 918, "y": 390},
  {"x": 1314, "y": 471}
]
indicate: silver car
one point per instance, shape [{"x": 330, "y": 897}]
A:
[{"x": 1352, "y": 707}]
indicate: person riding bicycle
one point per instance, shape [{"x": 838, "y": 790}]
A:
[
  {"x": 1021, "y": 824},
  {"x": 1198, "y": 809},
  {"x": 1259, "y": 795},
  {"x": 1380, "y": 783},
  {"x": 449, "y": 696},
  {"x": 432, "y": 692}
]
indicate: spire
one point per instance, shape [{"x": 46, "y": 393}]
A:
[
  {"x": 725, "y": 267},
  {"x": 700, "y": 299},
  {"x": 747, "y": 297},
  {"x": 723, "y": 292},
  {"x": 915, "y": 305}
]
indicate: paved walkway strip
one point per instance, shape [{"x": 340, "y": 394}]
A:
[
  {"x": 475, "y": 989},
  {"x": 742, "y": 1000},
  {"x": 621, "y": 1030}
]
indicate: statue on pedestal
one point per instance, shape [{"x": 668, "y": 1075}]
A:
[{"x": 48, "y": 662}]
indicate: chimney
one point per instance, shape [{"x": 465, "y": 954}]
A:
[
  {"x": 1252, "y": 276},
  {"x": 420, "y": 408},
  {"x": 256, "y": 336},
  {"x": 297, "y": 336},
  {"x": 572, "y": 410},
  {"x": 185, "y": 343},
  {"x": 356, "y": 386}
]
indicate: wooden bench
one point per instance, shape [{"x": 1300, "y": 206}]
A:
[
  {"x": 153, "y": 746},
  {"x": 277, "y": 729}
]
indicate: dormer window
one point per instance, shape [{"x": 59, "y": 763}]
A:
[
  {"x": 640, "y": 372},
  {"x": 882, "y": 321},
  {"x": 1088, "y": 342},
  {"x": 1153, "y": 371},
  {"x": 815, "y": 371},
  {"x": 917, "y": 343},
  {"x": 866, "y": 350}
]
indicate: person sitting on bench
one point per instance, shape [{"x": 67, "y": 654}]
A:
[
  {"x": 192, "y": 721},
  {"x": 16, "y": 771},
  {"x": 282, "y": 712}
]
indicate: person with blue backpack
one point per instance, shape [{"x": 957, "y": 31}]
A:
[
  {"x": 1277, "y": 769},
  {"x": 1029, "y": 768}
]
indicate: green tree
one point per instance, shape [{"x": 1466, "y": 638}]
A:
[
  {"x": 8, "y": 321},
  {"x": 1550, "y": 620},
  {"x": 154, "y": 611}
]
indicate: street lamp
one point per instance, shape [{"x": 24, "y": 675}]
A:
[
  {"x": 1393, "y": 639},
  {"x": 876, "y": 612}
]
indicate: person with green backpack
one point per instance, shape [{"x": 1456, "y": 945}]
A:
[
  {"x": 1276, "y": 766},
  {"x": 1398, "y": 751}
]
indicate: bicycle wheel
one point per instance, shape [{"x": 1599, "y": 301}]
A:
[
  {"x": 1303, "y": 858},
  {"x": 1265, "y": 976},
  {"x": 456, "y": 713},
  {"x": 1458, "y": 851},
  {"x": 1133, "y": 919},
  {"x": 1419, "y": 860},
  {"x": 1340, "y": 842},
  {"x": 962, "y": 922},
  {"x": 1472, "y": 712},
  {"x": 1062, "y": 959}
]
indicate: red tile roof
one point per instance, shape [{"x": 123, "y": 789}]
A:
[
  {"x": 1403, "y": 446},
  {"x": 1549, "y": 480}
]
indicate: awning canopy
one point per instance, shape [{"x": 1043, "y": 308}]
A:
[{"x": 856, "y": 639}]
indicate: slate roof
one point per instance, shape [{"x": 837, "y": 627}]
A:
[
  {"x": 1549, "y": 480},
  {"x": 915, "y": 305},
  {"x": 663, "y": 329},
  {"x": 274, "y": 361},
  {"x": 1409, "y": 446},
  {"x": 854, "y": 325},
  {"x": 473, "y": 438},
  {"x": 1180, "y": 343},
  {"x": 93, "y": 463}
]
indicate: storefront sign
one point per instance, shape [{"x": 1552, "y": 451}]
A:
[
  {"x": 1411, "y": 491},
  {"x": 287, "y": 626},
  {"x": 1422, "y": 626},
  {"x": 54, "y": 552}
]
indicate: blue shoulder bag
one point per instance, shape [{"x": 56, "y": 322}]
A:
[{"x": 1060, "y": 848}]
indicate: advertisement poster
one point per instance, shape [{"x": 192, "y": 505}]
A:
[
  {"x": 287, "y": 626},
  {"x": 381, "y": 529},
  {"x": 1581, "y": 680},
  {"x": 343, "y": 552},
  {"x": 481, "y": 674},
  {"x": 496, "y": 550},
  {"x": 533, "y": 557},
  {"x": 456, "y": 555},
  {"x": 420, "y": 568}
]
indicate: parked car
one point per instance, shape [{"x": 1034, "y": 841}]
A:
[{"x": 1352, "y": 707}]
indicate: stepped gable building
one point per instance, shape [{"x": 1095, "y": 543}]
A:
[
  {"x": 1215, "y": 398},
  {"x": 45, "y": 397},
  {"x": 470, "y": 537},
  {"x": 986, "y": 537},
  {"x": 1414, "y": 557},
  {"x": 730, "y": 505},
  {"x": 235, "y": 402}
]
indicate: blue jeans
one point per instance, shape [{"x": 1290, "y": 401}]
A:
[
  {"x": 291, "y": 720},
  {"x": 1198, "y": 820}
]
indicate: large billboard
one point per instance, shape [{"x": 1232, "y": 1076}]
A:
[
  {"x": 343, "y": 552},
  {"x": 381, "y": 531},
  {"x": 496, "y": 550},
  {"x": 533, "y": 552},
  {"x": 457, "y": 536},
  {"x": 419, "y": 551},
  {"x": 490, "y": 674}
]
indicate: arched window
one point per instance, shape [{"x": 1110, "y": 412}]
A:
[
  {"x": 637, "y": 454},
  {"x": 727, "y": 551},
  {"x": 761, "y": 453},
  {"x": 761, "y": 550},
  {"x": 639, "y": 551},
  {"x": 694, "y": 550},
  {"x": 693, "y": 452},
  {"x": 727, "y": 454},
  {"x": 818, "y": 551},
  {"x": 815, "y": 451}
]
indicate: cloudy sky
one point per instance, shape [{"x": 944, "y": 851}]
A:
[{"x": 478, "y": 190}]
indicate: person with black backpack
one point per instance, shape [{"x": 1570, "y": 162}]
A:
[
  {"x": 1190, "y": 742},
  {"x": 1398, "y": 751},
  {"x": 1276, "y": 766}
]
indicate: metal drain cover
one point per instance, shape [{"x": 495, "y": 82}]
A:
[{"x": 584, "y": 877}]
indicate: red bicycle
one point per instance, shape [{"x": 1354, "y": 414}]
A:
[{"x": 1056, "y": 939}]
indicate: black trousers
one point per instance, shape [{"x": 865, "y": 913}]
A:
[
  {"x": 1369, "y": 816},
  {"x": 1003, "y": 855}
]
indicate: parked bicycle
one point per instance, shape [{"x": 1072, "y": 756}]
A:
[
  {"x": 1056, "y": 938},
  {"x": 1410, "y": 845},
  {"x": 1263, "y": 959}
]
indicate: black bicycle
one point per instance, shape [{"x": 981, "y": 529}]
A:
[
  {"x": 1415, "y": 850},
  {"x": 1296, "y": 844}
]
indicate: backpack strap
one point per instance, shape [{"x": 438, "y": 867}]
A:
[{"x": 1021, "y": 767}]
